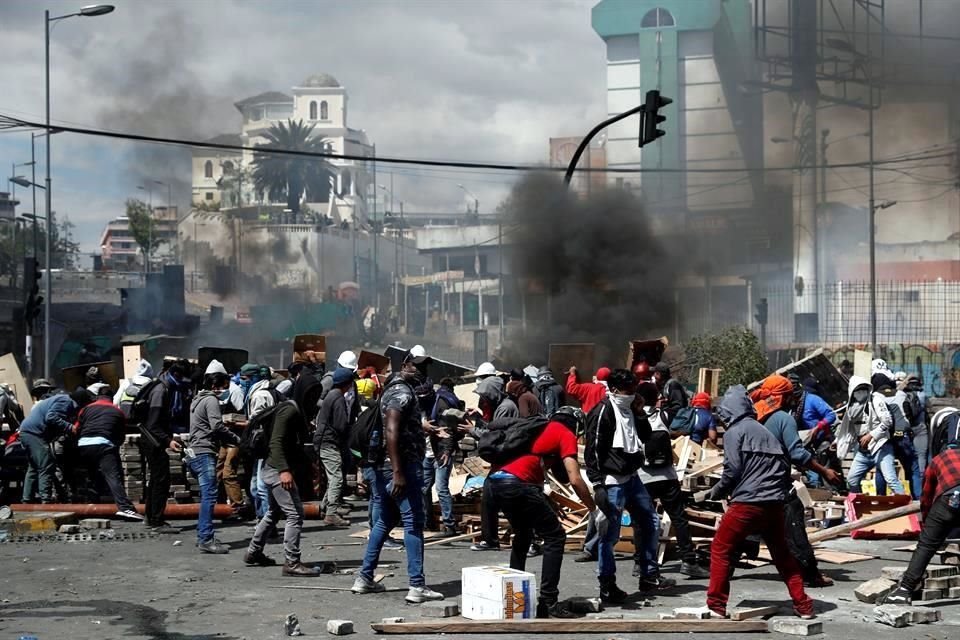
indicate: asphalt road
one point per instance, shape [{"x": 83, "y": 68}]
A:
[{"x": 153, "y": 589}]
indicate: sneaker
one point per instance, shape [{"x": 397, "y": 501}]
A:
[
  {"x": 343, "y": 509},
  {"x": 805, "y": 616},
  {"x": 656, "y": 583},
  {"x": 362, "y": 585},
  {"x": 693, "y": 570},
  {"x": 449, "y": 532},
  {"x": 585, "y": 556},
  {"x": 213, "y": 546},
  {"x": 299, "y": 570},
  {"x": 555, "y": 610},
  {"x": 534, "y": 551},
  {"x": 416, "y": 595},
  {"x": 165, "y": 528},
  {"x": 334, "y": 520},
  {"x": 390, "y": 543},
  {"x": 637, "y": 570},
  {"x": 900, "y": 595},
  {"x": 130, "y": 514},
  {"x": 258, "y": 559},
  {"x": 718, "y": 614},
  {"x": 610, "y": 593},
  {"x": 483, "y": 545}
]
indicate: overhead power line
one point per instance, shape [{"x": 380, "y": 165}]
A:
[{"x": 448, "y": 163}]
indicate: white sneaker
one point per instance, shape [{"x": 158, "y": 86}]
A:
[
  {"x": 130, "y": 514},
  {"x": 362, "y": 585},
  {"x": 416, "y": 595}
]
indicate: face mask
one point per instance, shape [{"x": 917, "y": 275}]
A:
[
  {"x": 224, "y": 395},
  {"x": 621, "y": 402},
  {"x": 861, "y": 396},
  {"x": 418, "y": 378}
]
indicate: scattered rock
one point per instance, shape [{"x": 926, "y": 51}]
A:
[
  {"x": 69, "y": 529},
  {"x": 893, "y": 573},
  {"x": 941, "y": 571},
  {"x": 291, "y": 625},
  {"x": 396, "y": 620},
  {"x": 94, "y": 523},
  {"x": 177, "y": 543},
  {"x": 892, "y": 615},
  {"x": 339, "y": 627},
  {"x": 873, "y": 591},
  {"x": 691, "y": 613},
  {"x": 440, "y": 609},
  {"x": 796, "y": 626}
]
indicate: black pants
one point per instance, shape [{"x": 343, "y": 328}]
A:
[
  {"x": 489, "y": 516},
  {"x": 669, "y": 495},
  {"x": 529, "y": 512},
  {"x": 938, "y": 524},
  {"x": 795, "y": 527},
  {"x": 157, "y": 491},
  {"x": 106, "y": 459}
]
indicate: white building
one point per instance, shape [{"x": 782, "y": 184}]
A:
[{"x": 222, "y": 178}]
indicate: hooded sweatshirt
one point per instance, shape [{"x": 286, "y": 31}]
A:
[
  {"x": 207, "y": 431},
  {"x": 614, "y": 449},
  {"x": 492, "y": 391},
  {"x": 859, "y": 419},
  {"x": 527, "y": 402},
  {"x": 144, "y": 375},
  {"x": 755, "y": 468},
  {"x": 549, "y": 391}
]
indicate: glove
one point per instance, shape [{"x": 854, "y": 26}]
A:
[
  {"x": 602, "y": 523},
  {"x": 600, "y": 498}
]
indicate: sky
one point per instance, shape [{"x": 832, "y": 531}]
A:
[{"x": 488, "y": 80}]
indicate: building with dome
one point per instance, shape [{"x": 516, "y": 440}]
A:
[{"x": 222, "y": 179}]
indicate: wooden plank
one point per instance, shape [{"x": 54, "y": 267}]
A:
[
  {"x": 566, "y": 502},
  {"x": 370, "y": 359},
  {"x": 843, "y": 529},
  {"x": 581, "y": 625},
  {"x": 862, "y": 363},
  {"x": 704, "y": 468},
  {"x": 755, "y": 612},
  {"x": 709, "y": 381},
  {"x": 841, "y": 557},
  {"x": 581, "y": 355},
  {"x": 651, "y": 351},
  {"x": 132, "y": 354},
  {"x": 11, "y": 375}
]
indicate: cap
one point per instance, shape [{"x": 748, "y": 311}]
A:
[
  {"x": 603, "y": 373},
  {"x": 348, "y": 360},
  {"x": 662, "y": 368},
  {"x": 249, "y": 369},
  {"x": 42, "y": 383},
  {"x": 342, "y": 375}
]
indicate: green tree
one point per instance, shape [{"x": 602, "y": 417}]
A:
[
  {"x": 736, "y": 350},
  {"x": 65, "y": 252},
  {"x": 288, "y": 177},
  {"x": 142, "y": 226}
]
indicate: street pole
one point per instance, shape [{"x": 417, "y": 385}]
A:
[
  {"x": 376, "y": 233},
  {"x": 873, "y": 235},
  {"x": 33, "y": 179},
  {"x": 49, "y": 191}
]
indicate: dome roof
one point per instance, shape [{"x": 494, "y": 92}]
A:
[{"x": 321, "y": 80}]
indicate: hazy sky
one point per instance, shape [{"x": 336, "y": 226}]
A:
[{"x": 455, "y": 79}]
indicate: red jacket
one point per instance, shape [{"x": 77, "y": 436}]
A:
[{"x": 588, "y": 393}]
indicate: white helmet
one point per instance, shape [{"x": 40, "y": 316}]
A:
[
  {"x": 486, "y": 369},
  {"x": 348, "y": 360},
  {"x": 880, "y": 366},
  {"x": 417, "y": 351}
]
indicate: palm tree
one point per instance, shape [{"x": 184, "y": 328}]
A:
[{"x": 289, "y": 177}]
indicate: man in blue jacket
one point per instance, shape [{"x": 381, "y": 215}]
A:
[{"x": 49, "y": 419}]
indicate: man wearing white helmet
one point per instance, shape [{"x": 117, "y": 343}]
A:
[
  {"x": 485, "y": 370},
  {"x": 347, "y": 361}
]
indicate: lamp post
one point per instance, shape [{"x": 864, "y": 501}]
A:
[
  {"x": 90, "y": 11},
  {"x": 149, "y": 251},
  {"x": 476, "y": 212},
  {"x": 170, "y": 204}
]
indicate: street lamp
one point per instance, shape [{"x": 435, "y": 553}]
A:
[
  {"x": 149, "y": 250},
  {"x": 476, "y": 200},
  {"x": 88, "y": 11}
]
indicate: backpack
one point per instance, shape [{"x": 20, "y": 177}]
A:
[
  {"x": 255, "y": 438},
  {"x": 507, "y": 439},
  {"x": 365, "y": 439},
  {"x": 658, "y": 450},
  {"x": 138, "y": 407},
  {"x": 684, "y": 422},
  {"x": 945, "y": 429}
]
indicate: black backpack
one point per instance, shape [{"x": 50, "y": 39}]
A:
[
  {"x": 365, "y": 439},
  {"x": 658, "y": 450},
  {"x": 507, "y": 439},
  {"x": 255, "y": 438},
  {"x": 139, "y": 408},
  {"x": 946, "y": 430}
]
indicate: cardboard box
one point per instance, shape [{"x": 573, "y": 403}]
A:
[{"x": 498, "y": 593}]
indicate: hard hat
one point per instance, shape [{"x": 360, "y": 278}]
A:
[
  {"x": 486, "y": 369},
  {"x": 417, "y": 351},
  {"x": 348, "y": 360}
]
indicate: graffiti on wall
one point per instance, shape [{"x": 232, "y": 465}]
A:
[{"x": 938, "y": 366}]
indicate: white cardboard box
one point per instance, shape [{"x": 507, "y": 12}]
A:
[{"x": 498, "y": 593}]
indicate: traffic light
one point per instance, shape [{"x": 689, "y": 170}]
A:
[
  {"x": 761, "y": 315},
  {"x": 651, "y": 117},
  {"x": 33, "y": 302}
]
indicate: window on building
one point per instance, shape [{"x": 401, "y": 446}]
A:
[
  {"x": 323, "y": 110},
  {"x": 313, "y": 109},
  {"x": 209, "y": 195},
  {"x": 208, "y": 169},
  {"x": 657, "y": 18}
]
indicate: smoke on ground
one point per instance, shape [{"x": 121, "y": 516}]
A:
[{"x": 592, "y": 269}]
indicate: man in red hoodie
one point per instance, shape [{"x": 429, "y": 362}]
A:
[{"x": 589, "y": 394}]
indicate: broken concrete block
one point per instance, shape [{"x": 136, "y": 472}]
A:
[
  {"x": 893, "y": 573},
  {"x": 666, "y": 616},
  {"x": 924, "y": 615},
  {"x": 392, "y": 620},
  {"x": 955, "y": 581},
  {"x": 796, "y": 626},
  {"x": 580, "y": 604},
  {"x": 937, "y": 583},
  {"x": 691, "y": 613},
  {"x": 941, "y": 571},
  {"x": 439, "y": 609},
  {"x": 931, "y": 594},
  {"x": 872, "y": 591},
  {"x": 892, "y": 615},
  {"x": 953, "y": 592},
  {"x": 340, "y": 627},
  {"x": 69, "y": 529},
  {"x": 94, "y": 523}
]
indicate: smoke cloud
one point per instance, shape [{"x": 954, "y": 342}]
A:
[{"x": 593, "y": 269}]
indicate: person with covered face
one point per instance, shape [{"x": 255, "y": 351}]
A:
[
  {"x": 755, "y": 480},
  {"x": 865, "y": 430}
]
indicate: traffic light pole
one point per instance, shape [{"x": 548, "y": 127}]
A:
[{"x": 593, "y": 132}]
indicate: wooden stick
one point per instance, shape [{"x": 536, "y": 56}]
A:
[
  {"x": 318, "y": 588},
  {"x": 572, "y": 626},
  {"x": 756, "y": 612},
  {"x": 846, "y": 528}
]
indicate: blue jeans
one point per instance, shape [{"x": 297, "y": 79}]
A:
[
  {"x": 41, "y": 468},
  {"x": 434, "y": 472},
  {"x": 259, "y": 491},
  {"x": 408, "y": 508},
  {"x": 373, "y": 506},
  {"x": 204, "y": 467},
  {"x": 633, "y": 497},
  {"x": 863, "y": 461},
  {"x": 904, "y": 452}
]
